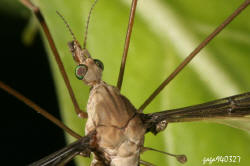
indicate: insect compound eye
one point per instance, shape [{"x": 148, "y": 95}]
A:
[
  {"x": 99, "y": 64},
  {"x": 80, "y": 71}
]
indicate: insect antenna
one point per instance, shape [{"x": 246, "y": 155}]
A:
[
  {"x": 67, "y": 25},
  {"x": 87, "y": 25}
]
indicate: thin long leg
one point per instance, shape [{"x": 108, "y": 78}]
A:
[
  {"x": 38, "y": 109},
  {"x": 127, "y": 42},
  {"x": 193, "y": 54},
  {"x": 40, "y": 18}
]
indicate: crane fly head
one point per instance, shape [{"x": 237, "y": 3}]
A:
[{"x": 88, "y": 69}]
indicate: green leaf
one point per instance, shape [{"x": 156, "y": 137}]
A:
[{"x": 165, "y": 32}]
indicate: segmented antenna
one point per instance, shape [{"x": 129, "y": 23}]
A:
[
  {"x": 87, "y": 25},
  {"x": 67, "y": 25}
]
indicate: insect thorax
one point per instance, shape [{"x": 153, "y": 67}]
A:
[{"x": 120, "y": 131}]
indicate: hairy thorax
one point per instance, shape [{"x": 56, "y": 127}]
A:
[{"x": 120, "y": 131}]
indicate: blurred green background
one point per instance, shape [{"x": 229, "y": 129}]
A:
[{"x": 165, "y": 32}]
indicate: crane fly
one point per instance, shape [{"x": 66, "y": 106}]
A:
[{"x": 213, "y": 109}]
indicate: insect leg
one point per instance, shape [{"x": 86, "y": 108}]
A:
[
  {"x": 127, "y": 42},
  {"x": 193, "y": 54},
  {"x": 42, "y": 21},
  {"x": 38, "y": 109}
]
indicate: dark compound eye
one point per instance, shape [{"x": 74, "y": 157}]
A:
[
  {"x": 99, "y": 64},
  {"x": 80, "y": 71}
]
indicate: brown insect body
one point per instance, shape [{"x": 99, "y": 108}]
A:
[
  {"x": 115, "y": 129},
  {"x": 119, "y": 129}
]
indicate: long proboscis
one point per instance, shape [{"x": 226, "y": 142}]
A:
[{"x": 237, "y": 106}]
